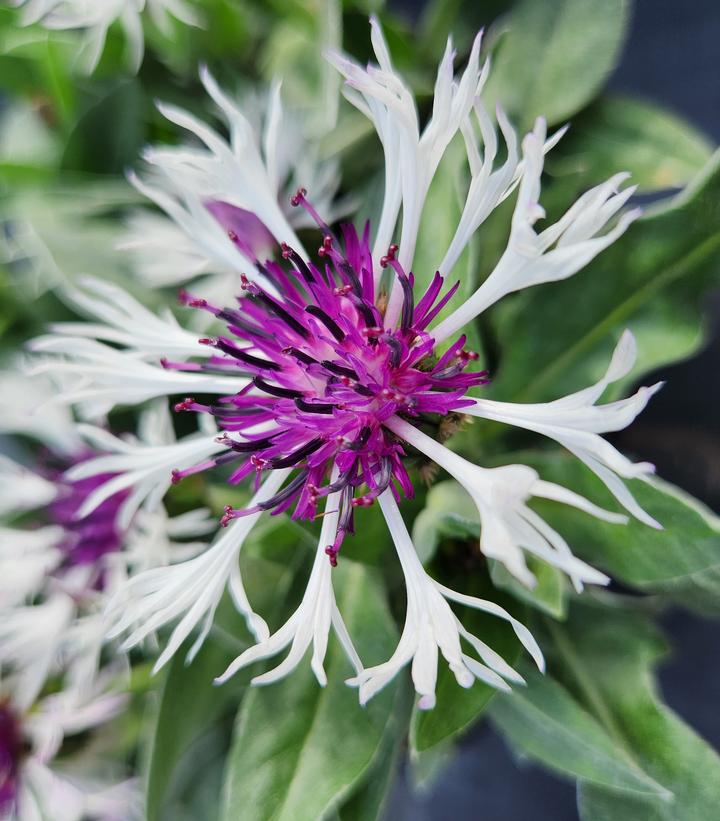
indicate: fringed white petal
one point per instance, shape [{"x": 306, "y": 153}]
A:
[
  {"x": 27, "y": 557},
  {"x": 31, "y": 639},
  {"x": 103, "y": 377},
  {"x": 309, "y": 624},
  {"x": 576, "y": 422},
  {"x": 411, "y": 158},
  {"x": 190, "y": 590},
  {"x": 554, "y": 254},
  {"x": 21, "y": 489},
  {"x": 431, "y": 628},
  {"x": 30, "y": 414},
  {"x": 143, "y": 469},
  {"x": 95, "y": 18},
  {"x": 124, "y": 321},
  {"x": 508, "y": 526}
]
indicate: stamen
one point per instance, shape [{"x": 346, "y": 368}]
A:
[
  {"x": 314, "y": 407},
  {"x": 327, "y": 321},
  {"x": 298, "y": 455},
  {"x": 276, "y": 390},
  {"x": 340, "y": 370}
]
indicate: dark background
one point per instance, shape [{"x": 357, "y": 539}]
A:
[{"x": 671, "y": 57}]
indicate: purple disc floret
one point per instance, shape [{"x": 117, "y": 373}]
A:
[{"x": 325, "y": 374}]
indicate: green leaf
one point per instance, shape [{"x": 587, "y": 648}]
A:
[
  {"x": 650, "y": 280},
  {"x": 299, "y": 748},
  {"x": 608, "y": 658},
  {"x": 657, "y": 147},
  {"x": 682, "y": 560},
  {"x": 109, "y": 135},
  {"x": 368, "y": 801},
  {"x": 545, "y": 722},
  {"x": 555, "y": 56}
]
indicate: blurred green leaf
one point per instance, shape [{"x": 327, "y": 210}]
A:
[
  {"x": 544, "y": 722},
  {"x": 607, "y": 658},
  {"x": 558, "y": 337},
  {"x": 554, "y": 57},
  {"x": 299, "y": 748},
  {"x": 657, "y": 147},
  {"x": 682, "y": 560},
  {"x": 108, "y": 137}
]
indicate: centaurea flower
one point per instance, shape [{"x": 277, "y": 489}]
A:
[
  {"x": 331, "y": 370},
  {"x": 37, "y": 782},
  {"x": 54, "y": 577}
]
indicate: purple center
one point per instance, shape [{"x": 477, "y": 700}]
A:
[
  {"x": 88, "y": 540},
  {"x": 11, "y": 750},
  {"x": 326, "y": 374}
]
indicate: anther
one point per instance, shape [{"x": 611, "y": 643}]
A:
[
  {"x": 206, "y": 340},
  {"x": 286, "y": 250},
  {"x": 186, "y": 404},
  {"x": 175, "y": 476},
  {"x": 227, "y": 516},
  {"x": 298, "y": 197},
  {"x": 332, "y": 553},
  {"x": 389, "y": 257},
  {"x": 232, "y": 236},
  {"x": 342, "y": 290}
]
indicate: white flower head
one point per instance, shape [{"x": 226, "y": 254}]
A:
[
  {"x": 95, "y": 17},
  {"x": 44, "y": 788}
]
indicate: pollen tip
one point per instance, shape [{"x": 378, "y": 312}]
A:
[{"x": 298, "y": 197}]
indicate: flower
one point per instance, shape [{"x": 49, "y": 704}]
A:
[
  {"x": 32, "y": 786},
  {"x": 331, "y": 370},
  {"x": 54, "y": 578},
  {"x": 95, "y": 18}
]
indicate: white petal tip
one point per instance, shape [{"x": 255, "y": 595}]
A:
[{"x": 426, "y": 702}]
